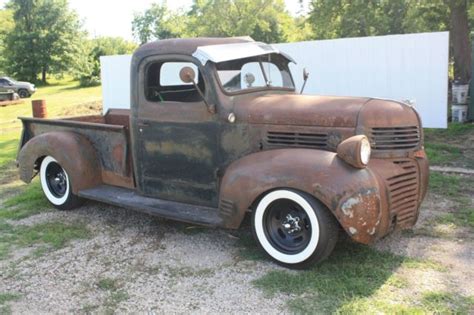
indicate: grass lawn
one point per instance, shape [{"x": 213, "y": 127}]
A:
[
  {"x": 62, "y": 97},
  {"x": 453, "y": 146},
  {"x": 359, "y": 280}
]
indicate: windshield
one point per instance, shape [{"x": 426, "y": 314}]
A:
[{"x": 259, "y": 72}]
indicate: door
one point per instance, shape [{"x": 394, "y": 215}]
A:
[
  {"x": 176, "y": 136},
  {"x": 4, "y": 85}
]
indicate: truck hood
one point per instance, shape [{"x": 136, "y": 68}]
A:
[
  {"x": 301, "y": 110},
  {"x": 324, "y": 111}
]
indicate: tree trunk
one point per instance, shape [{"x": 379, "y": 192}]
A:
[
  {"x": 460, "y": 40},
  {"x": 43, "y": 75}
]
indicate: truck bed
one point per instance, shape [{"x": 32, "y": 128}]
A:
[{"x": 109, "y": 134}]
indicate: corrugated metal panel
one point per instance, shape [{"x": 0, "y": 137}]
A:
[
  {"x": 115, "y": 77},
  {"x": 400, "y": 67}
]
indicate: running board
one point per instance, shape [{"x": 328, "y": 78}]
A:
[{"x": 128, "y": 198}]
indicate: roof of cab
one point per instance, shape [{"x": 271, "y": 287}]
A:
[{"x": 184, "y": 46}]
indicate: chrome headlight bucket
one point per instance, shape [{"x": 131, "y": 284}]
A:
[{"x": 355, "y": 151}]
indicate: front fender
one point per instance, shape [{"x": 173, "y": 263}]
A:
[
  {"x": 73, "y": 151},
  {"x": 351, "y": 194}
]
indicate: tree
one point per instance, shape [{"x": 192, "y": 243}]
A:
[
  {"x": 427, "y": 16},
  {"x": 263, "y": 20},
  {"x": 158, "y": 22},
  {"x": 88, "y": 67},
  {"x": 46, "y": 38},
  {"x": 459, "y": 25},
  {"x": 349, "y": 18},
  {"x": 6, "y": 21},
  {"x": 357, "y": 18}
]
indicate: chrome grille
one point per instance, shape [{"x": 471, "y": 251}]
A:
[
  {"x": 296, "y": 139},
  {"x": 395, "y": 138},
  {"x": 404, "y": 193}
]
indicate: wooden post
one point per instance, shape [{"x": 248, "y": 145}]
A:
[{"x": 39, "y": 109}]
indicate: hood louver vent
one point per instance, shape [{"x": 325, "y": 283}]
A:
[
  {"x": 404, "y": 193},
  {"x": 296, "y": 139},
  {"x": 395, "y": 138}
]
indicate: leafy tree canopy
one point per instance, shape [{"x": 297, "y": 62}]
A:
[
  {"x": 355, "y": 18},
  {"x": 46, "y": 38},
  {"x": 263, "y": 20},
  {"x": 6, "y": 21},
  {"x": 88, "y": 66}
]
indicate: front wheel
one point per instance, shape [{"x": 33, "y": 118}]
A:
[
  {"x": 294, "y": 229},
  {"x": 23, "y": 93},
  {"x": 57, "y": 186}
]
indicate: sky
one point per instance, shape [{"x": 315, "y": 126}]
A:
[{"x": 114, "y": 17}]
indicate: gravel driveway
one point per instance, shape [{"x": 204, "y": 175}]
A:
[
  {"x": 132, "y": 262},
  {"x": 160, "y": 266}
]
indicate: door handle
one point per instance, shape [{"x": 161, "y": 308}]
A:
[{"x": 142, "y": 125}]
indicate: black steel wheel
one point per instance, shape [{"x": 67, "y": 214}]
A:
[
  {"x": 56, "y": 179},
  {"x": 57, "y": 186},
  {"x": 287, "y": 226},
  {"x": 294, "y": 228}
]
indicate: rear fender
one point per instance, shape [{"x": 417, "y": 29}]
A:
[
  {"x": 351, "y": 194},
  {"x": 73, "y": 151}
]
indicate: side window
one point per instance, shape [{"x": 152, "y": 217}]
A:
[
  {"x": 163, "y": 83},
  {"x": 169, "y": 74},
  {"x": 3, "y": 82},
  {"x": 273, "y": 74}
]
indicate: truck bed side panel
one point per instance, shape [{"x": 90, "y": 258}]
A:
[{"x": 111, "y": 143}]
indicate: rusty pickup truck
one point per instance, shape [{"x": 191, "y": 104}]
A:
[{"x": 217, "y": 130}]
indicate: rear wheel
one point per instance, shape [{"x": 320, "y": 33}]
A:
[
  {"x": 294, "y": 229},
  {"x": 57, "y": 186}
]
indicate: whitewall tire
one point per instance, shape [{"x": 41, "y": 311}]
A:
[
  {"x": 56, "y": 185},
  {"x": 293, "y": 228}
]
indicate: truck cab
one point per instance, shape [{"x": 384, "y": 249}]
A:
[{"x": 217, "y": 130}]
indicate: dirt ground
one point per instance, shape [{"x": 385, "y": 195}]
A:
[{"x": 132, "y": 262}]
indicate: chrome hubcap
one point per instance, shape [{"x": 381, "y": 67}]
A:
[{"x": 291, "y": 224}]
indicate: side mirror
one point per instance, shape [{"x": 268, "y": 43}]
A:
[
  {"x": 187, "y": 75},
  {"x": 305, "y": 74},
  {"x": 305, "y": 78}
]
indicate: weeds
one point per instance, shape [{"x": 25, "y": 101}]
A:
[
  {"x": 116, "y": 294},
  {"x": 29, "y": 202},
  {"x": 4, "y": 299},
  {"x": 348, "y": 282},
  {"x": 108, "y": 284},
  {"x": 442, "y": 154},
  {"x": 53, "y": 234},
  {"x": 447, "y": 303},
  {"x": 248, "y": 249},
  {"x": 459, "y": 190},
  {"x": 451, "y": 146}
]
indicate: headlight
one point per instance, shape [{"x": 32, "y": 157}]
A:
[
  {"x": 355, "y": 151},
  {"x": 364, "y": 150}
]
